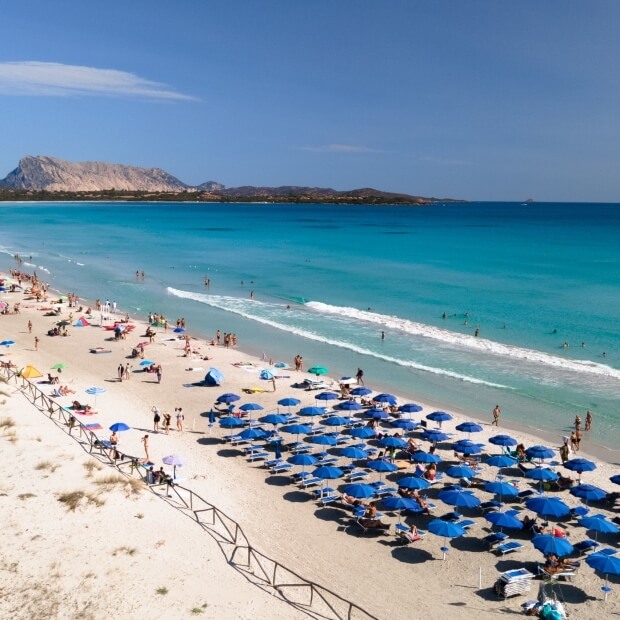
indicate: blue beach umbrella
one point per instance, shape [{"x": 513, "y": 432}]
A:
[
  {"x": 274, "y": 418},
  {"x": 302, "y": 459},
  {"x": 439, "y": 527},
  {"x": 360, "y": 391},
  {"x": 318, "y": 370},
  {"x": 410, "y": 408},
  {"x": 469, "y": 427},
  {"x": 542, "y": 474},
  {"x": 439, "y": 416},
  {"x": 359, "y": 490},
  {"x": 381, "y": 466},
  {"x": 352, "y": 452},
  {"x": 606, "y": 564},
  {"x": 540, "y": 452},
  {"x": 280, "y": 365},
  {"x": 406, "y": 425},
  {"x": 459, "y": 498},
  {"x": 289, "y": 402},
  {"x": 310, "y": 411},
  {"x": 227, "y": 398},
  {"x": 251, "y": 407},
  {"x": 253, "y": 433},
  {"x": 231, "y": 422},
  {"x": 323, "y": 440},
  {"x": 378, "y": 414},
  {"x": 179, "y": 330},
  {"x": 598, "y": 523},
  {"x": 501, "y": 460},
  {"x": 326, "y": 396},
  {"x": 460, "y": 471},
  {"x": 328, "y": 472},
  {"x": 399, "y": 504},
  {"x": 146, "y": 363},
  {"x": 95, "y": 390},
  {"x": 503, "y": 440},
  {"x": 546, "y": 543},
  {"x": 588, "y": 493},
  {"x": 615, "y": 479},
  {"x": 350, "y": 405},
  {"x": 266, "y": 375},
  {"x": 385, "y": 398},
  {"x": 504, "y": 520},
  {"x": 466, "y": 446},
  {"x": 546, "y": 506},
  {"x": 580, "y": 465},
  {"x": 119, "y": 427},
  {"x": 392, "y": 442},
  {"x": 434, "y": 435},
  {"x": 7, "y": 343},
  {"x": 336, "y": 420},
  {"x": 362, "y": 432},
  {"x": 502, "y": 489},
  {"x": 425, "y": 457},
  {"x": 413, "y": 482}
]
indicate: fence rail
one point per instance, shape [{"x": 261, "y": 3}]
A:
[{"x": 315, "y": 600}]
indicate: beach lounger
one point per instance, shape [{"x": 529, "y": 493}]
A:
[
  {"x": 300, "y": 475},
  {"x": 352, "y": 476},
  {"x": 405, "y": 536},
  {"x": 523, "y": 495},
  {"x": 566, "y": 574},
  {"x": 508, "y": 547},
  {"x": 327, "y": 460},
  {"x": 490, "y": 506},
  {"x": 494, "y": 539},
  {"x": 608, "y": 551},
  {"x": 311, "y": 481},
  {"x": 281, "y": 467},
  {"x": 258, "y": 455},
  {"x": 585, "y": 546},
  {"x": 465, "y": 523}
]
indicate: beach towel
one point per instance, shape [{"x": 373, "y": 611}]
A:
[
  {"x": 254, "y": 390},
  {"x": 93, "y": 427}
]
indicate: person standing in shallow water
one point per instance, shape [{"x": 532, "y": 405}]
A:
[
  {"x": 360, "y": 376},
  {"x": 588, "y": 421}
]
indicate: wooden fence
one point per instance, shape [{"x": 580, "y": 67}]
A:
[{"x": 269, "y": 574}]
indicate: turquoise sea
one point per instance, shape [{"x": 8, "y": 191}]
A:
[{"x": 327, "y": 280}]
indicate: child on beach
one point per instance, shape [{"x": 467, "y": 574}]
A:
[{"x": 180, "y": 418}]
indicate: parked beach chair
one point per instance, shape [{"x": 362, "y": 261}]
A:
[
  {"x": 272, "y": 463},
  {"x": 494, "y": 539},
  {"x": 465, "y": 523},
  {"x": 258, "y": 455},
  {"x": 356, "y": 475},
  {"x": 281, "y": 468},
  {"x": 523, "y": 495},
  {"x": 608, "y": 551},
  {"x": 490, "y": 506},
  {"x": 566, "y": 573},
  {"x": 508, "y": 547},
  {"x": 311, "y": 481},
  {"x": 585, "y": 546},
  {"x": 300, "y": 475},
  {"x": 405, "y": 536}
]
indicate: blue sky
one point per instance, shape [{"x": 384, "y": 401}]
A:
[{"x": 482, "y": 100}]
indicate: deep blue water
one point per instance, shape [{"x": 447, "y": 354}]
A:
[{"x": 528, "y": 277}]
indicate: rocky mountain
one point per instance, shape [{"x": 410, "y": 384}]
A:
[{"x": 50, "y": 174}]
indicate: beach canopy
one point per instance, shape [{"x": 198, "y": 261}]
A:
[
  {"x": 274, "y": 418},
  {"x": 362, "y": 432},
  {"x": 459, "y": 498},
  {"x": 302, "y": 459},
  {"x": 318, "y": 370},
  {"x": 353, "y": 452},
  {"x": 598, "y": 523},
  {"x": 501, "y": 460},
  {"x": 328, "y": 472},
  {"x": 419, "y": 456},
  {"x": 434, "y": 435},
  {"x": 413, "y": 482},
  {"x": 580, "y": 465},
  {"x": 439, "y": 527},
  {"x": 251, "y": 407},
  {"x": 146, "y": 363},
  {"x": 336, "y": 420},
  {"x": 381, "y": 466},
  {"x": 378, "y": 414},
  {"x": 460, "y": 471},
  {"x": 323, "y": 440},
  {"x": 82, "y": 322},
  {"x": 396, "y": 502},
  {"x": 547, "y": 543},
  {"x": 326, "y": 396},
  {"x": 231, "y": 422},
  {"x": 361, "y": 391},
  {"x": 214, "y": 377},
  {"x": 93, "y": 391},
  {"x": 439, "y": 416},
  {"x": 606, "y": 564},
  {"x": 266, "y": 375},
  {"x": 469, "y": 427},
  {"x": 406, "y": 425},
  {"x": 176, "y": 460},
  {"x": 296, "y": 429},
  {"x": 59, "y": 366},
  {"x": 253, "y": 433},
  {"x": 7, "y": 343},
  {"x": 540, "y": 452},
  {"x": 227, "y": 398},
  {"x": 385, "y": 398},
  {"x": 30, "y": 372},
  {"x": 504, "y": 520},
  {"x": 588, "y": 492},
  {"x": 118, "y": 427},
  {"x": 544, "y": 474},
  {"x": 289, "y": 402},
  {"x": 503, "y": 440},
  {"x": 501, "y": 488},
  {"x": 546, "y": 506},
  {"x": 359, "y": 490},
  {"x": 410, "y": 408},
  {"x": 350, "y": 405},
  {"x": 392, "y": 442},
  {"x": 312, "y": 411}
]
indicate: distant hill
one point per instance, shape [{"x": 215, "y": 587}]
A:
[
  {"x": 56, "y": 175},
  {"x": 49, "y": 178}
]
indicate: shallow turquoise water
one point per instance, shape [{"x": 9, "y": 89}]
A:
[{"x": 528, "y": 277}]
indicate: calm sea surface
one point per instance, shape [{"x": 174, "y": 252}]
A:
[{"x": 328, "y": 280}]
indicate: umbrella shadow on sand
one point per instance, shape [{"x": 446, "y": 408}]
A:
[
  {"x": 229, "y": 453},
  {"x": 278, "y": 481},
  {"x": 297, "y": 497},
  {"x": 209, "y": 441},
  {"x": 412, "y": 555},
  {"x": 329, "y": 514}
]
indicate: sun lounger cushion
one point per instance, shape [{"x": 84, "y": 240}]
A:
[
  {"x": 495, "y": 538},
  {"x": 508, "y": 547}
]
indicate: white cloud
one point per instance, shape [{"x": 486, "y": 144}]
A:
[
  {"x": 52, "y": 79},
  {"x": 340, "y": 148}
]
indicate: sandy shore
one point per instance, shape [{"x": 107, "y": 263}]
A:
[{"x": 279, "y": 519}]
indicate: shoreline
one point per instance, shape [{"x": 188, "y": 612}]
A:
[{"x": 278, "y": 517}]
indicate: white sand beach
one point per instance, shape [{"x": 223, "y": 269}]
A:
[{"x": 127, "y": 552}]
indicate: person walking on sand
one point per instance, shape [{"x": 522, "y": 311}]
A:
[
  {"x": 167, "y": 420},
  {"x": 496, "y": 413},
  {"x": 30, "y": 327},
  {"x": 273, "y": 383},
  {"x": 588, "y": 425},
  {"x": 360, "y": 376},
  {"x": 158, "y": 371},
  {"x": 120, "y": 372},
  {"x": 127, "y": 368},
  {"x": 36, "y": 343}
]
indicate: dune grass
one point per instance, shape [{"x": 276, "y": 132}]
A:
[{"x": 72, "y": 499}]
